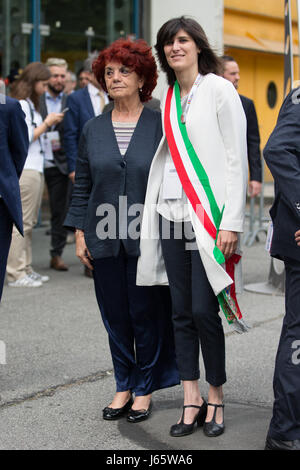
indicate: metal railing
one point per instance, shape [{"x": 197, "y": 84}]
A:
[{"x": 256, "y": 216}]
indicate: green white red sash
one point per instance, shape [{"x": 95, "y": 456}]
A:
[{"x": 196, "y": 185}]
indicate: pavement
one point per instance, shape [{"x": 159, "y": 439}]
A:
[{"x": 58, "y": 375}]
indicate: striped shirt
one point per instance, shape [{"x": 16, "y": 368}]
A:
[{"x": 124, "y": 132}]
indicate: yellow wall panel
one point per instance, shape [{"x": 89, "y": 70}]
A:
[
  {"x": 243, "y": 24},
  {"x": 265, "y": 7},
  {"x": 257, "y": 19}
]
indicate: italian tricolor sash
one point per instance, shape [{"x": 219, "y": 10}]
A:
[{"x": 196, "y": 185}]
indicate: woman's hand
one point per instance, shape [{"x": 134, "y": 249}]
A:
[
  {"x": 227, "y": 242},
  {"x": 54, "y": 118},
  {"x": 51, "y": 120},
  {"x": 81, "y": 249}
]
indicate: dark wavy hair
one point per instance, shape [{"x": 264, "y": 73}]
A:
[
  {"x": 134, "y": 54},
  {"x": 24, "y": 86},
  {"x": 208, "y": 61}
]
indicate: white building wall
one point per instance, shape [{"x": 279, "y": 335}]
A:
[{"x": 209, "y": 13}]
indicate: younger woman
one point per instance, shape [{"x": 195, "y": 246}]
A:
[{"x": 28, "y": 89}]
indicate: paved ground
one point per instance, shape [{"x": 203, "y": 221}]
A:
[{"x": 58, "y": 371}]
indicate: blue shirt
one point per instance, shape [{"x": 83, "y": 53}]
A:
[{"x": 53, "y": 104}]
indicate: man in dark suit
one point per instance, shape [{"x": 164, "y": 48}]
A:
[
  {"x": 56, "y": 167},
  {"x": 13, "y": 152},
  {"x": 83, "y": 104},
  {"x": 232, "y": 73},
  {"x": 282, "y": 155}
]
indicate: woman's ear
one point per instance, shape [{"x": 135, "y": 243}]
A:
[{"x": 141, "y": 82}]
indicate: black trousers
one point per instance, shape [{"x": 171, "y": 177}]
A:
[
  {"x": 59, "y": 189},
  {"x": 285, "y": 423},
  {"x": 6, "y": 226},
  {"x": 195, "y": 309},
  {"x": 139, "y": 326}
]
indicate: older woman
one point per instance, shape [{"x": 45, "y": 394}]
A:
[
  {"x": 116, "y": 151},
  {"x": 197, "y": 187}
]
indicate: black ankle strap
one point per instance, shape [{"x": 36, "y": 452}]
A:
[
  {"x": 215, "y": 405},
  {"x": 192, "y": 406}
]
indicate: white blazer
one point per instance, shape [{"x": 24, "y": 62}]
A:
[{"x": 216, "y": 126}]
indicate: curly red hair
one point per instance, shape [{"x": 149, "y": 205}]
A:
[{"x": 133, "y": 54}]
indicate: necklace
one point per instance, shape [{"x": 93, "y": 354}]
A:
[{"x": 190, "y": 97}]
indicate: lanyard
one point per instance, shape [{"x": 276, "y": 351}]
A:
[
  {"x": 190, "y": 97},
  {"x": 34, "y": 124}
]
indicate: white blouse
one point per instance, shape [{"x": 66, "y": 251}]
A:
[
  {"x": 35, "y": 157},
  {"x": 175, "y": 210}
]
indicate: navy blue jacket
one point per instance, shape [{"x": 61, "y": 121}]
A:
[
  {"x": 13, "y": 152},
  {"x": 253, "y": 139},
  {"x": 80, "y": 111},
  {"x": 282, "y": 155},
  {"x": 103, "y": 175}
]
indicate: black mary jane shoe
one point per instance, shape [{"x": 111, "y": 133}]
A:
[
  {"x": 182, "y": 429},
  {"x": 213, "y": 429},
  {"x": 111, "y": 414},
  {"x": 135, "y": 416}
]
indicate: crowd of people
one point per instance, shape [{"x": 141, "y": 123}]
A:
[{"x": 155, "y": 193}]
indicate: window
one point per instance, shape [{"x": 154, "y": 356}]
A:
[
  {"x": 272, "y": 95},
  {"x": 83, "y": 26},
  {"x": 71, "y": 29}
]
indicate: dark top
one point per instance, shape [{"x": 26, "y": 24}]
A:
[
  {"x": 282, "y": 155},
  {"x": 109, "y": 189},
  {"x": 13, "y": 152},
  {"x": 253, "y": 140}
]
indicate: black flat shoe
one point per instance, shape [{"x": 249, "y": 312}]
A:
[
  {"x": 274, "y": 444},
  {"x": 111, "y": 414},
  {"x": 213, "y": 429},
  {"x": 135, "y": 416},
  {"x": 182, "y": 429}
]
